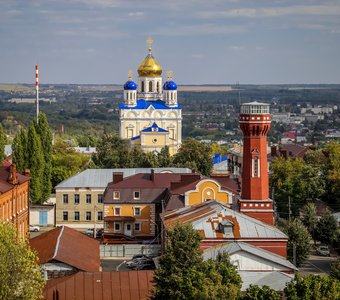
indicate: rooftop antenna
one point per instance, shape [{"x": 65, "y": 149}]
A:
[{"x": 37, "y": 89}]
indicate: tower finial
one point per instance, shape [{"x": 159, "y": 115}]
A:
[
  {"x": 149, "y": 41},
  {"x": 130, "y": 75},
  {"x": 169, "y": 75}
]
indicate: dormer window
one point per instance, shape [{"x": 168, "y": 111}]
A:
[
  {"x": 154, "y": 129},
  {"x": 116, "y": 195},
  {"x": 226, "y": 227},
  {"x": 136, "y": 195}
]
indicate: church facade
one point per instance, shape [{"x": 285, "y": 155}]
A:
[{"x": 150, "y": 115}]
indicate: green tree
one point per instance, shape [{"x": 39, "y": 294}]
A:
[
  {"x": 309, "y": 217},
  {"x": 112, "y": 152},
  {"x": 20, "y": 275},
  {"x": 298, "y": 237},
  {"x": 335, "y": 269},
  {"x": 36, "y": 165},
  {"x": 164, "y": 158},
  {"x": 45, "y": 134},
  {"x": 20, "y": 150},
  {"x": 184, "y": 275},
  {"x": 2, "y": 144},
  {"x": 194, "y": 152},
  {"x": 294, "y": 179},
  {"x": 313, "y": 287},
  {"x": 254, "y": 292},
  {"x": 326, "y": 229},
  {"x": 136, "y": 157}
]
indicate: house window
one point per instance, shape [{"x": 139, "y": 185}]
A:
[
  {"x": 88, "y": 198},
  {"x": 117, "y": 211},
  {"x": 76, "y": 198},
  {"x": 100, "y": 216},
  {"x": 136, "y": 195},
  {"x": 65, "y": 198},
  {"x": 137, "y": 226},
  {"x": 65, "y": 215},
  {"x": 100, "y": 198},
  {"x": 117, "y": 226},
  {"x": 116, "y": 195},
  {"x": 88, "y": 216},
  {"x": 137, "y": 211},
  {"x": 76, "y": 216}
]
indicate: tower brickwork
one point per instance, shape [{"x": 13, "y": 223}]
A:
[{"x": 255, "y": 124}]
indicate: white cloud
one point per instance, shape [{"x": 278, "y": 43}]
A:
[
  {"x": 136, "y": 14},
  {"x": 321, "y": 10}
]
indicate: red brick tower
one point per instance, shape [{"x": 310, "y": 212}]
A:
[{"x": 255, "y": 124}]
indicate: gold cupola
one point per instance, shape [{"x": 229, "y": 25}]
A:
[{"x": 149, "y": 67}]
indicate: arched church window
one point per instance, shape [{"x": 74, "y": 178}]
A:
[
  {"x": 158, "y": 86},
  {"x": 150, "y": 86},
  {"x": 142, "y": 88}
]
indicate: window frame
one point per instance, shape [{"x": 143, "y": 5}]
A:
[
  {"x": 114, "y": 196},
  {"x": 76, "y": 198},
  {"x": 88, "y": 199},
  {"x": 134, "y": 195},
  {"x": 77, "y": 213},
  {"x": 88, "y": 213},
  {"x": 139, "y": 225},
  {"x": 65, "y": 213},
  {"x": 134, "y": 211},
  {"x": 114, "y": 211},
  {"x": 114, "y": 226},
  {"x": 100, "y": 196},
  {"x": 65, "y": 198},
  {"x": 102, "y": 216}
]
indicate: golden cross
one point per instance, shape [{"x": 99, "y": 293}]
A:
[
  {"x": 130, "y": 74},
  {"x": 149, "y": 41},
  {"x": 169, "y": 74}
]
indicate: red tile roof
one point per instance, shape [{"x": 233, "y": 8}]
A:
[
  {"x": 132, "y": 285},
  {"x": 69, "y": 246},
  {"x": 4, "y": 185}
]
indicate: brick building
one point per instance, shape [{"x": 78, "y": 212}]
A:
[{"x": 14, "y": 193}]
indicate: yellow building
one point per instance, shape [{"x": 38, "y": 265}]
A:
[{"x": 150, "y": 115}]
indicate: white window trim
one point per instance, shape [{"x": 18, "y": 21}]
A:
[
  {"x": 114, "y": 226},
  {"x": 134, "y": 211},
  {"x": 116, "y": 198},
  {"x": 114, "y": 210},
  {"x": 90, "y": 216},
  {"x": 140, "y": 226},
  {"x": 134, "y": 195},
  {"x": 253, "y": 168}
]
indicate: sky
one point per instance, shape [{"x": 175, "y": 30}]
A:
[{"x": 201, "y": 41}]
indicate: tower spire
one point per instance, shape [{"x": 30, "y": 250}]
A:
[
  {"x": 130, "y": 75},
  {"x": 169, "y": 75}
]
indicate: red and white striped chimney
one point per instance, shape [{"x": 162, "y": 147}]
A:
[{"x": 37, "y": 89}]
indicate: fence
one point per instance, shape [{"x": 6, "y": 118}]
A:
[{"x": 122, "y": 250}]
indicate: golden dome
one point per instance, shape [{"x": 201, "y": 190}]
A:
[{"x": 149, "y": 67}]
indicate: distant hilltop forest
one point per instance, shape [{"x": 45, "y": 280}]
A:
[{"x": 93, "y": 109}]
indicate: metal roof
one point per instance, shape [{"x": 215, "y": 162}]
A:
[
  {"x": 275, "y": 280},
  {"x": 235, "y": 247},
  {"x": 199, "y": 214},
  {"x": 99, "y": 178}
]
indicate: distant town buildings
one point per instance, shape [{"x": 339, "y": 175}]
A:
[{"x": 150, "y": 115}]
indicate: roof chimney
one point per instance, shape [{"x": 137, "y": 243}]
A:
[
  {"x": 117, "y": 177},
  {"x": 27, "y": 172},
  {"x": 152, "y": 175},
  {"x": 12, "y": 176}
]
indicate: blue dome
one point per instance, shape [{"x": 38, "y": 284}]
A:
[
  {"x": 130, "y": 85},
  {"x": 170, "y": 86}
]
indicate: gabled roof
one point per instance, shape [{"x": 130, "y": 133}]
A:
[
  {"x": 294, "y": 150},
  {"x": 235, "y": 247},
  {"x": 5, "y": 186},
  {"x": 203, "y": 215},
  {"x": 154, "y": 127},
  {"x": 101, "y": 285},
  {"x": 275, "y": 280},
  {"x": 99, "y": 178},
  {"x": 69, "y": 246},
  {"x": 144, "y": 104}
]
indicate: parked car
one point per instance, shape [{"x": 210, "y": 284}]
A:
[
  {"x": 34, "y": 228},
  {"x": 89, "y": 232},
  {"x": 147, "y": 265},
  {"x": 136, "y": 261},
  {"x": 140, "y": 256},
  {"x": 323, "y": 251}
]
